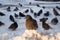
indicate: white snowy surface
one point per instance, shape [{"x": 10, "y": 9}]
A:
[{"x": 21, "y": 33}]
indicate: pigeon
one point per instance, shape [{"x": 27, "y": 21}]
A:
[
  {"x": 46, "y": 14},
  {"x": 30, "y": 3},
  {"x": 1, "y": 23},
  {"x": 37, "y": 5},
  {"x": 39, "y": 13},
  {"x": 13, "y": 26},
  {"x": 44, "y": 24},
  {"x": 21, "y": 14},
  {"x": 2, "y": 14},
  {"x": 54, "y": 21},
  {"x": 16, "y": 9},
  {"x": 20, "y": 4},
  {"x": 26, "y": 11},
  {"x": 31, "y": 10},
  {"x": 31, "y": 24},
  {"x": 16, "y": 16},
  {"x": 55, "y": 12},
  {"x": 35, "y": 15},
  {"x": 43, "y": 7},
  {"x": 58, "y": 7},
  {"x": 9, "y": 9},
  {"x": 11, "y": 18},
  {"x": 43, "y": 19}
]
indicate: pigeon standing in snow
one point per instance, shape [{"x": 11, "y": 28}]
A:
[
  {"x": 37, "y": 5},
  {"x": 31, "y": 10},
  {"x": 44, "y": 24},
  {"x": 11, "y": 18},
  {"x": 58, "y": 7},
  {"x": 46, "y": 14},
  {"x": 55, "y": 12},
  {"x": 20, "y": 4},
  {"x": 16, "y": 9},
  {"x": 31, "y": 24},
  {"x": 21, "y": 14},
  {"x": 1, "y": 23},
  {"x": 26, "y": 11},
  {"x": 43, "y": 7},
  {"x": 30, "y": 3},
  {"x": 9, "y": 9},
  {"x": 39, "y": 13},
  {"x": 2, "y": 14},
  {"x": 54, "y": 21},
  {"x": 16, "y": 16},
  {"x": 13, "y": 26},
  {"x": 35, "y": 15}
]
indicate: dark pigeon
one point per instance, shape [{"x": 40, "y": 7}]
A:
[
  {"x": 40, "y": 12},
  {"x": 43, "y": 19},
  {"x": 26, "y": 11},
  {"x": 37, "y": 5},
  {"x": 2, "y": 14},
  {"x": 21, "y": 14},
  {"x": 20, "y": 4},
  {"x": 31, "y": 10},
  {"x": 16, "y": 15},
  {"x": 13, "y": 26},
  {"x": 9, "y": 9},
  {"x": 46, "y": 14},
  {"x": 1, "y": 23},
  {"x": 54, "y": 21},
  {"x": 55, "y": 12},
  {"x": 16, "y": 9},
  {"x": 43, "y": 7},
  {"x": 30, "y": 3},
  {"x": 58, "y": 7},
  {"x": 11, "y": 18},
  {"x": 35, "y": 15}
]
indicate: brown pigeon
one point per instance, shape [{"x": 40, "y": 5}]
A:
[
  {"x": 31, "y": 24},
  {"x": 44, "y": 24}
]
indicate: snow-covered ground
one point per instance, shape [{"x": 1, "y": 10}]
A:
[{"x": 21, "y": 32}]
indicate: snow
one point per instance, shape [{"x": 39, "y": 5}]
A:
[{"x": 21, "y": 33}]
